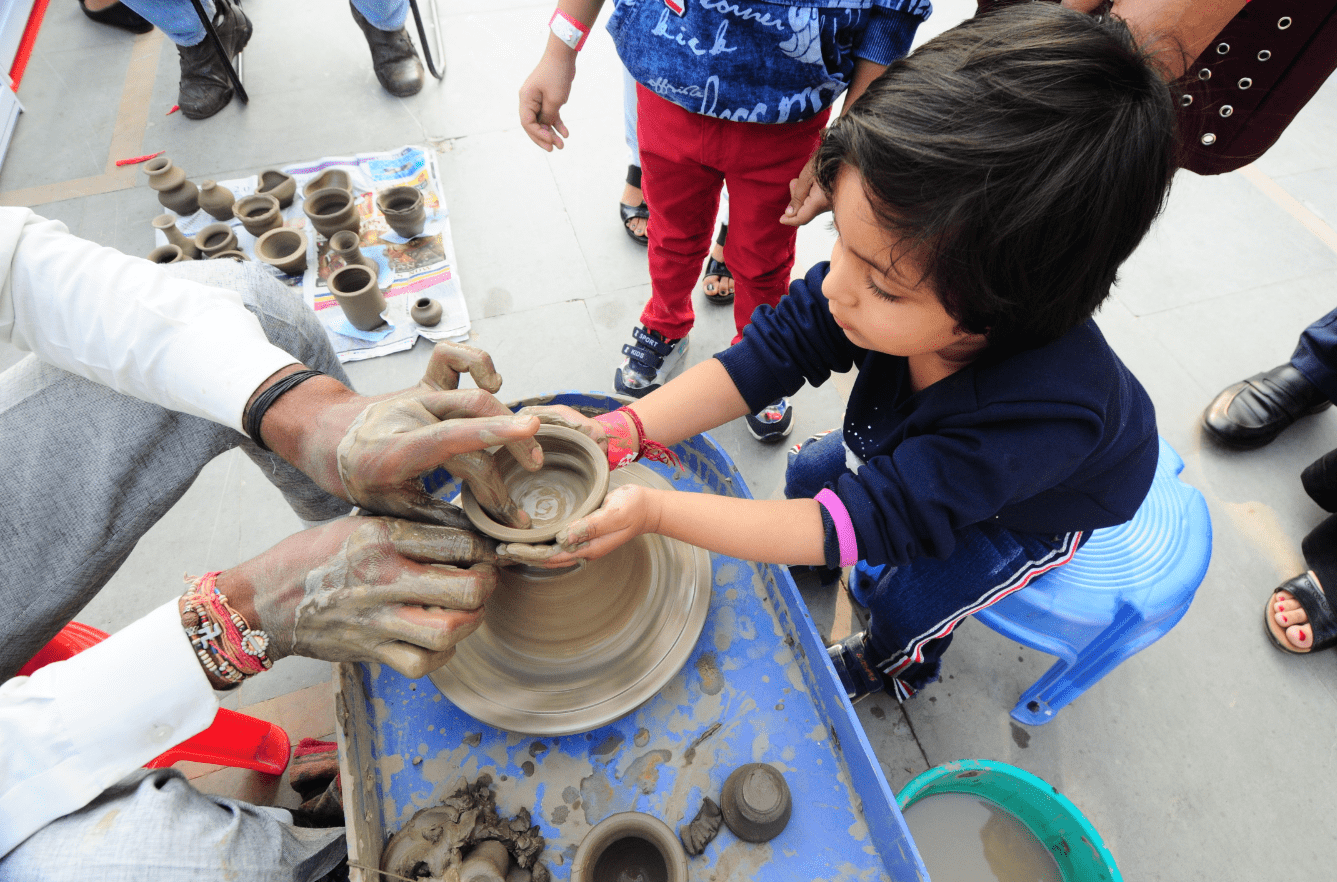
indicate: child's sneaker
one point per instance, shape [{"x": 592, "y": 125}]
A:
[
  {"x": 649, "y": 362},
  {"x": 771, "y": 423},
  {"x": 857, "y": 674}
]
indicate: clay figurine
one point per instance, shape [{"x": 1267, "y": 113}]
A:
[
  {"x": 755, "y": 802},
  {"x": 167, "y": 254},
  {"x": 281, "y": 185},
  {"x": 335, "y": 178},
  {"x": 403, "y": 209},
  {"x": 216, "y": 200},
  {"x": 258, "y": 213},
  {"x": 175, "y": 192},
  {"x": 167, "y": 224},
  {"x": 284, "y": 249},
  {"x": 345, "y": 244},
  {"x": 332, "y": 210},
  {"x": 426, "y": 312},
  {"x": 698, "y": 834},
  {"x": 215, "y": 238},
  {"x": 629, "y": 845},
  {"x": 355, "y": 290}
]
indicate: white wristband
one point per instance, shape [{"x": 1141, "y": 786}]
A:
[{"x": 568, "y": 30}]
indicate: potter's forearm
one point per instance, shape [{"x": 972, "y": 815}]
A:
[
  {"x": 702, "y": 398},
  {"x": 787, "y": 531}
]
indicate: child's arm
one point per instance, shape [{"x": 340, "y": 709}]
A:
[
  {"x": 698, "y": 400},
  {"x": 549, "y": 86}
]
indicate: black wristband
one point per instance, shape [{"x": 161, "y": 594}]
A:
[{"x": 267, "y": 399}]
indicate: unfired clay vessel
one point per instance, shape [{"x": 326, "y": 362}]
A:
[
  {"x": 355, "y": 290},
  {"x": 281, "y": 185},
  {"x": 572, "y": 483},
  {"x": 167, "y": 224},
  {"x": 629, "y": 845},
  {"x": 332, "y": 210},
  {"x": 216, "y": 200},
  {"x": 284, "y": 249},
  {"x": 756, "y": 802},
  {"x": 167, "y": 254},
  {"x": 345, "y": 244},
  {"x": 259, "y": 213},
  {"x": 487, "y": 862},
  {"x": 215, "y": 238},
  {"x": 403, "y": 209},
  {"x": 175, "y": 192},
  {"x": 426, "y": 312},
  {"x": 335, "y": 178},
  {"x": 232, "y": 254}
]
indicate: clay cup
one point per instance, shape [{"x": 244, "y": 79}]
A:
[
  {"x": 355, "y": 290},
  {"x": 258, "y": 213},
  {"x": 403, "y": 209},
  {"x": 332, "y": 210},
  {"x": 167, "y": 254},
  {"x": 215, "y": 238},
  {"x": 629, "y": 845},
  {"x": 572, "y": 483},
  {"x": 281, "y": 185},
  {"x": 284, "y": 249}
]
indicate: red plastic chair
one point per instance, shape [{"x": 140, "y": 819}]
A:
[{"x": 234, "y": 739}]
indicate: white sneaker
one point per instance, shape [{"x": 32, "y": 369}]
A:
[
  {"x": 649, "y": 362},
  {"x": 771, "y": 423}
]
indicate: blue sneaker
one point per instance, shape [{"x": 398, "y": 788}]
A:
[
  {"x": 649, "y": 362},
  {"x": 772, "y": 423},
  {"x": 850, "y": 657}
]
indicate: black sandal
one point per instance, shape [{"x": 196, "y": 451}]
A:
[
  {"x": 717, "y": 268},
  {"x": 628, "y": 213},
  {"x": 1314, "y": 602}
]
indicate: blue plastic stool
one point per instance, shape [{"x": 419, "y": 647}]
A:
[{"x": 1122, "y": 591}]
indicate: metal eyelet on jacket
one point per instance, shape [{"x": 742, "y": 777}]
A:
[
  {"x": 1185, "y": 100},
  {"x": 1204, "y": 74},
  {"x": 1283, "y": 22},
  {"x": 1208, "y": 139},
  {"x": 1264, "y": 55},
  {"x": 1222, "y": 48},
  {"x": 1227, "y": 110},
  {"x": 1245, "y": 82}
]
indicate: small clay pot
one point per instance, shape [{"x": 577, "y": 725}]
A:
[
  {"x": 572, "y": 483},
  {"x": 233, "y": 255},
  {"x": 426, "y": 312},
  {"x": 345, "y": 244},
  {"x": 259, "y": 213},
  {"x": 756, "y": 802},
  {"x": 167, "y": 224},
  {"x": 216, "y": 200},
  {"x": 167, "y": 254},
  {"x": 174, "y": 191},
  {"x": 355, "y": 290},
  {"x": 332, "y": 210},
  {"x": 629, "y": 845},
  {"x": 281, "y": 185},
  {"x": 284, "y": 249},
  {"x": 215, "y": 238},
  {"x": 403, "y": 209},
  {"x": 330, "y": 178}
]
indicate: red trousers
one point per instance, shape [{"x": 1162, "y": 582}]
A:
[{"x": 685, "y": 158}]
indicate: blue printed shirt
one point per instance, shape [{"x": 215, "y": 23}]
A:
[{"x": 759, "y": 61}]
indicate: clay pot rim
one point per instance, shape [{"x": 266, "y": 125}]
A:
[
  {"x": 395, "y": 191},
  {"x": 624, "y": 825},
  {"x": 346, "y": 197},
  {"x": 598, "y": 490},
  {"x": 233, "y": 253},
  {"x": 180, "y": 254},
  {"x": 308, "y": 190},
  {"x": 267, "y": 198},
  {"x": 357, "y": 240},
  {"x": 372, "y": 277},
  {"x": 157, "y": 164},
  {"x": 280, "y": 232},
  {"x": 207, "y": 232}
]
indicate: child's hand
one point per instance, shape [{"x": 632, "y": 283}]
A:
[
  {"x": 542, "y": 97},
  {"x": 627, "y": 513},
  {"x": 806, "y": 199},
  {"x": 561, "y": 415}
]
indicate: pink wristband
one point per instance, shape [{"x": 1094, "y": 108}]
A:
[
  {"x": 840, "y": 516},
  {"x": 568, "y": 30}
]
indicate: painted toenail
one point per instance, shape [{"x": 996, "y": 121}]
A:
[
  {"x": 1302, "y": 638},
  {"x": 1284, "y": 620}
]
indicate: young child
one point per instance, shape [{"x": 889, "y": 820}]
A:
[
  {"x": 985, "y": 190},
  {"x": 727, "y": 92}
]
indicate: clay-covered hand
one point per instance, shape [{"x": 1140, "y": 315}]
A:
[
  {"x": 369, "y": 589},
  {"x": 561, "y": 415},
  {"x": 806, "y": 198},
  {"x": 542, "y": 96},
  {"x": 627, "y": 512}
]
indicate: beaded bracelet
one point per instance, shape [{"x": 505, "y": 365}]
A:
[{"x": 225, "y": 644}]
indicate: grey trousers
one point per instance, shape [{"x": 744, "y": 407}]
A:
[{"x": 88, "y": 472}]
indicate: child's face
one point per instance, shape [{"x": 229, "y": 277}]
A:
[{"x": 881, "y": 307}]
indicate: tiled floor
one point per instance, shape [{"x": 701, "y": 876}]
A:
[{"x": 1205, "y": 757}]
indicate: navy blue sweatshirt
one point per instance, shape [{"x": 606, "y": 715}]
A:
[{"x": 1049, "y": 440}]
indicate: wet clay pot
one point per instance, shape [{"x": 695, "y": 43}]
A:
[
  {"x": 284, "y": 249},
  {"x": 174, "y": 191},
  {"x": 629, "y": 845},
  {"x": 332, "y": 210},
  {"x": 345, "y": 244},
  {"x": 756, "y": 802},
  {"x": 167, "y": 224},
  {"x": 231, "y": 255},
  {"x": 281, "y": 185},
  {"x": 215, "y": 238},
  {"x": 259, "y": 213},
  {"x": 167, "y": 254},
  {"x": 426, "y": 312},
  {"x": 330, "y": 178},
  {"x": 572, "y": 483},
  {"x": 216, "y": 200},
  {"x": 403, "y": 209},
  {"x": 355, "y": 290}
]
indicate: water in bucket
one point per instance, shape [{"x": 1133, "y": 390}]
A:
[{"x": 963, "y": 838}]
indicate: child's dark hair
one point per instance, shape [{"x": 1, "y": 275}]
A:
[{"x": 1024, "y": 154}]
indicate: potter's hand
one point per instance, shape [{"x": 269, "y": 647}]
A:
[
  {"x": 450, "y": 360},
  {"x": 627, "y": 512},
  {"x": 366, "y": 589},
  {"x": 806, "y": 198},
  {"x": 561, "y": 415},
  {"x": 542, "y": 97}
]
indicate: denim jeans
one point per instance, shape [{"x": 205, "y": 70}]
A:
[{"x": 177, "y": 18}]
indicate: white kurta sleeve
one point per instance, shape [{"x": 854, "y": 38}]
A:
[
  {"x": 123, "y": 322},
  {"x": 76, "y": 727}
]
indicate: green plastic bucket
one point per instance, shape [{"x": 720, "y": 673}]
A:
[{"x": 1058, "y": 824}]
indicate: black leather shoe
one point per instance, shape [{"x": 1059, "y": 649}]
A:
[
  {"x": 205, "y": 88},
  {"x": 1254, "y": 411},
  {"x": 393, "y": 57}
]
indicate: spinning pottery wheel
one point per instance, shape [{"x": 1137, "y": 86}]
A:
[{"x": 563, "y": 651}]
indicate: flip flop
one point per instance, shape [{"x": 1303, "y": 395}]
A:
[
  {"x": 716, "y": 268},
  {"x": 1314, "y": 602}
]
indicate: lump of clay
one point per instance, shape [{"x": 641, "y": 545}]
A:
[{"x": 698, "y": 834}]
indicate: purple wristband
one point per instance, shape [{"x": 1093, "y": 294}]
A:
[{"x": 849, "y": 546}]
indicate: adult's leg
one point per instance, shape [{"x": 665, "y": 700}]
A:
[
  {"x": 90, "y": 470},
  {"x": 1315, "y": 355},
  {"x": 205, "y": 87},
  {"x": 175, "y": 18},
  {"x": 154, "y": 827},
  {"x": 393, "y": 56}
]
